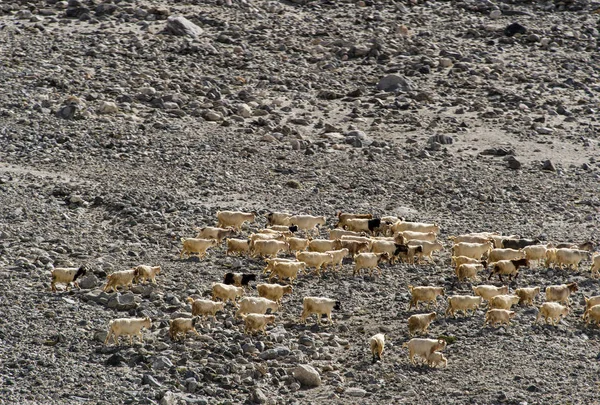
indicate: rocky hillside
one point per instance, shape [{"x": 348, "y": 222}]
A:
[{"x": 124, "y": 125}]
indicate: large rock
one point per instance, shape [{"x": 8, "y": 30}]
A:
[
  {"x": 123, "y": 302},
  {"x": 307, "y": 376},
  {"x": 395, "y": 82},
  {"x": 89, "y": 281},
  {"x": 183, "y": 27}
]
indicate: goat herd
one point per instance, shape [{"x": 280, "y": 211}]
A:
[{"x": 368, "y": 241}]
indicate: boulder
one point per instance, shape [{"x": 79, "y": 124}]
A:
[
  {"x": 307, "y": 376},
  {"x": 181, "y": 26}
]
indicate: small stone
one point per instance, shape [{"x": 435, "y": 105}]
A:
[
  {"x": 244, "y": 111},
  {"x": 148, "y": 91},
  {"x": 548, "y": 166},
  {"x": 295, "y": 144},
  {"x": 107, "y": 107},
  {"x": 445, "y": 62},
  {"x": 356, "y": 392},
  {"x": 76, "y": 199},
  {"x": 115, "y": 360},
  {"x": 544, "y": 130},
  {"x": 356, "y": 142},
  {"x": 514, "y": 29},
  {"x": 168, "y": 399},
  {"x": 67, "y": 112},
  {"x": 307, "y": 376},
  {"x": 513, "y": 163},
  {"x": 270, "y": 354},
  {"x": 495, "y": 14},
  {"x": 100, "y": 336},
  {"x": 161, "y": 362},
  {"x": 293, "y": 184},
  {"x": 191, "y": 384},
  {"x": 268, "y": 138},
  {"x": 147, "y": 379},
  {"x": 213, "y": 116},
  {"x": 24, "y": 14}
]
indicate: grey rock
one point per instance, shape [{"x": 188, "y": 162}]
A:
[
  {"x": 258, "y": 396},
  {"x": 147, "y": 379},
  {"x": 270, "y": 354},
  {"x": 514, "y": 29},
  {"x": 213, "y": 116},
  {"x": 181, "y": 26},
  {"x": 513, "y": 163},
  {"x": 393, "y": 82},
  {"x": 307, "y": 376},
  {"x": 122, "y": 302},
  {"x": 441, "y": 139},
  {"x": 24, "y": 14},
  {"x": 356, "y": 142},
  {"x": 100, "y": 336},
  {"x": 548, "y": 166},
  {"x": 168, "y": 399},
  {"x": 145, "y": 290},
  {"x": 497, "y": 152},
  {"x": 89, "y": 281},
  {"x": 544, "y": 130},
  {"x": 67, "y": 112},
  {"x": 355, "y": 392},
  {"x": 161, "y": 362},
  {"x": 191, "y": 384}
]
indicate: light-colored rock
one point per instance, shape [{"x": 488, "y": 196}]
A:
[
  {"x": 245, "y": 111},
  {"x": 213, "y": 116},
  {"x": 495, "y": 14},
  {"x": 307, "y": 376},
  {"x": 107, "y": 107},
  {"x": 183, "y": 27}
]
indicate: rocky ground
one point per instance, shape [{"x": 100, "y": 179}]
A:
[{"x": 120, "y": 133}]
